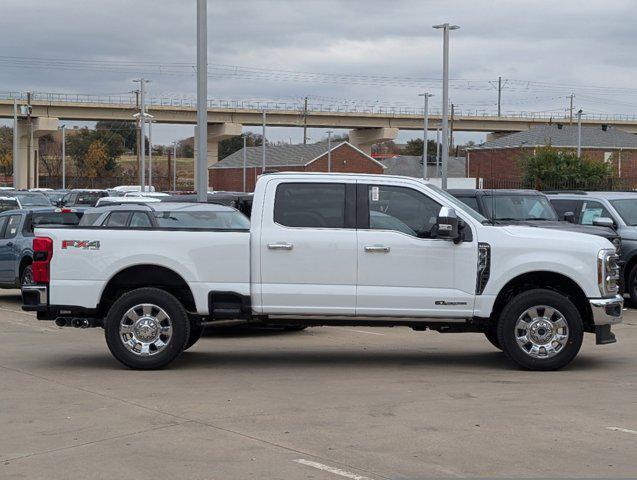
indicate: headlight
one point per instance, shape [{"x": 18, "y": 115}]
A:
[{"x": 607, "y": 272}]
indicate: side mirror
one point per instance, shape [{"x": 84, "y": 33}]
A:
[
  {"x": 447, "y": 224},
  {"x": 604, "y": 222},
  {"x": 569, "y": 217}
]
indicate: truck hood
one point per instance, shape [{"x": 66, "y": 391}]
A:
[
  {"x": 556, "y": 235},
  {"x": 569, "y": 227}
]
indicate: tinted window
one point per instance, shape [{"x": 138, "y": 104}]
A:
[
  {"x": 88, "y": 198},
  {"x": 403, "y": 210},
  {"x": 627, "y": 209},
  {"x": 519, "y": 207},
  {"x": 203, "y": 220},
  {"x": 140, "y": 220},
  {"x": 90, "y": 218},
  {"x": 8, "y": 205},
  {"x": 310, "y": 205},
  {"x": 56, "y": 218},
  {"x": 117, "y": 219},
  {"x": 12, "y": 226},
  {"x": 471, "y": 202},
  {"x": 592, "y": 210},
  {"x": 565, "y": 206}
]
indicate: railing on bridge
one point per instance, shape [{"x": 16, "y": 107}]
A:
[{"x": 296, "y": 106}]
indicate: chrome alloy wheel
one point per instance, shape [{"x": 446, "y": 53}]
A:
[
  {"x": 145, "y": 329},
  {"x": 541, "y": 331}
]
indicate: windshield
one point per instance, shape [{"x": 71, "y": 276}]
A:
[
  {"x": 519, "y": 207},
  {"x": 33, "y": 200},
  {"x": 203, "y": 220},
  {"x": 627, "y": 209},
  {"x": 457, "y": 203}
]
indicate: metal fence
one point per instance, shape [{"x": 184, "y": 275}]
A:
[
  {"x": 602, "y": 184},
  {"x": 160, "y": 182}
]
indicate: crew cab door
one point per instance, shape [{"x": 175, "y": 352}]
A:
[
  {"x": 308, "y": 248},
  {"x": 9, "y": 225},
  {"x": 402, "y": 270}
]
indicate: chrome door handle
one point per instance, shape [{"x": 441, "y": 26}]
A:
[
  {"x": 280, "y": 246},
  {"x": 377, "y": 249}
]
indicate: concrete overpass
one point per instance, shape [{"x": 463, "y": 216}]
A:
[{"x": 367, "y": 124}]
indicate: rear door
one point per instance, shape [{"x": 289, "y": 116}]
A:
[
  {"x": 565, "y": 205},
  {"x": 308, "y": 248},
  {"x": 8, "y": 230}
]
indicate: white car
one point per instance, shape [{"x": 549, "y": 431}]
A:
[
  {"x": 329, "y": 249},
  {"x": 119, "y": 200}
]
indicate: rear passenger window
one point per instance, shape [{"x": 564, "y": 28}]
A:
[
  {"x": 565, "y": 206},
  {"x": 140, "y": 220},
  {"x": 12, "y": 226},
  {"x": 471, "y": 202},
  {"x": 117, "y": 219},
  {"x": 310, "y": 205}
]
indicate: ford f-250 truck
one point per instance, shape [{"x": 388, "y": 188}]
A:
[{"x": 332, "y": 249}]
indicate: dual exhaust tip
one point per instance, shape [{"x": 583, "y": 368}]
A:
[{"x": 73, "y": 322}]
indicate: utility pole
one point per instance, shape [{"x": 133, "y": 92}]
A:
[
  {"x": 142, "y": 132},
  {"x": 570, "y": 122},
  {"x": 263, "y": 144},
  {"x": 329, "y": 151},
  {"x": 451, "y": 130},
  {"x": 579, "y": 133},
  {"x": 425, "y": 130},
  {"x": 499, "y": 95},
  {"x": 305, "y": 122},
  {"x": 63, "y": 157},
  {"x": 445, "y": 98},
  {"x": 150, "y": 154},
  {"x": 202, "y": 101},
  {"x": 137, "y": 133},
  {"x": 174, "y": 165},
  {"x": 16, "y": 166},
  {"x": 245, "y": 164},
  {"x": 30, "y": 141},
  {"x": 438, "y": 152}
]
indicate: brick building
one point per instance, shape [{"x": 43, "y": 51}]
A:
[
  {"x": 498, "y": 162},
  {"x": 345, "y": 158}
]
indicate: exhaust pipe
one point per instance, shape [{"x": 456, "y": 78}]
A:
[
  {"x": 61, "y": 322},
  {"x": 80, "y": 323}
]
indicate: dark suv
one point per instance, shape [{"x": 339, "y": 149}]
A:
[
  {"x": 82, "y": 198},
  {"x": 528, "y": 207}
]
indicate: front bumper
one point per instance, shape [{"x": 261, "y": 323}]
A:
[{"x": 607, "y": 311}]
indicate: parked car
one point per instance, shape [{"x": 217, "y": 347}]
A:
[
  {"x": 239, "y": 200},
  {"x": 104, "y": 201},
  {"x": 312, "y": 256},
  {"x": 16, "y": 240},
  {"x": 55, "y": 196},
  {"x": 82, "y": 197},
  {"x": 527, "y": 207},
  {"x": 618, "y": 209},
  {"x": 17, "y": 199}
]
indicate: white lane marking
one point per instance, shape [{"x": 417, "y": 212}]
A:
[
  {"x": 335, "y": 471},
  {"x": 363, "y": 331},
  {"x": 619, "y": 429}
]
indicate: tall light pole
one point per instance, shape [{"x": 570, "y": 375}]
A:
[
  {"x": 202, "y": 101},
  {"x": 245, "y": 162},
  {"x": 425, "y": 129},
  {"x": 438, "y": 151},
  {"x": 142, "y": 130},
  {"x": 445, "y": 98},
  {"x": 16, "y": 167},
  {"x": 63, "y": 157},
  {"x": 263, "y": 144},
  {"x": 329, "y": 150},
  {"x": 579, "y": 133},
  {"x": 150, "y": 153},
  {"x": 174, "y": 165}
]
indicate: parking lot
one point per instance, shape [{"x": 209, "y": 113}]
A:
[{"x": 325, "y": 403}]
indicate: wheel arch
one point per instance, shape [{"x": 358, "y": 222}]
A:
[
  {"x": 549, "y": 280},
  {"x": 146, "y": 275},
  {"x": 25, "y": 261}
]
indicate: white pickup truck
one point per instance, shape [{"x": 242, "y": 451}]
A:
[{"x": 327, "y": 249}]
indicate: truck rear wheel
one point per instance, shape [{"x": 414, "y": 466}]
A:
[
  {"x": 146, "y": 328},
  {"x": 540, "y": 330}
]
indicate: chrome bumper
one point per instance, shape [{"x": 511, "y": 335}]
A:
[{"x": 607, "y": 311}]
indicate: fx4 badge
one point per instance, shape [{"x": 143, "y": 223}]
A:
[{"x": 83, "y": 244}]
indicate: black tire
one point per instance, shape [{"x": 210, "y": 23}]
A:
[
  {"x": 533, "y": 298},
  {"x": 631, "y": 287},
  {"x": 27, "y": 276},
  {"x": 196, "y": 329},
  {"x": 492, "y": 336},
  {"x": 174, "y": 346}
]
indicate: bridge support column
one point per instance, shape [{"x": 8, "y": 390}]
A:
[
  {"x": 28, "y": 133},
  {"x": 364, "y": 138},
  {"x": 218, "y": 132}
]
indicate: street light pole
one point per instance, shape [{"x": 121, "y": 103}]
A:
[
  {"x": 425, "y": 129},
  {"x": 245, "y": 162},
  {"x": 16, "y": 167},
  {"x": 445, "y": 98},
  {"x": 202, "y": 101},
  {"x": 263, "y": 144},
  {"x": 150, "y": 154},
  {"x": 63, "y": 157},
  {"x": 438, "y": 151},
  {"x": 329, "y": 150},
  {"x": 579, "y": 133},
  {"x": 174, "y": 165},
  {"x": 142, "y": 131}
]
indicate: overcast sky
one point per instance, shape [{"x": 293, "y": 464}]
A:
[{"x": 542, "y": 49}]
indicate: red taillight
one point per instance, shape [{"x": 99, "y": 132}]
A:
[{"x": 42, "y": 253}]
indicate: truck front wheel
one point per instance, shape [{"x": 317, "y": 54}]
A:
[
  {"x": 540, "y": 330},
  {"x": 146, "y": 328}
]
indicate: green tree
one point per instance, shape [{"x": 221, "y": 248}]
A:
[
  {"x": 234, "y": 144},
  {"x": 127, "y": 130},
  {"x": 414, "y": 147},
  {"x": 78, "y": 144},
  {"x": 553, "y": 167}
]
